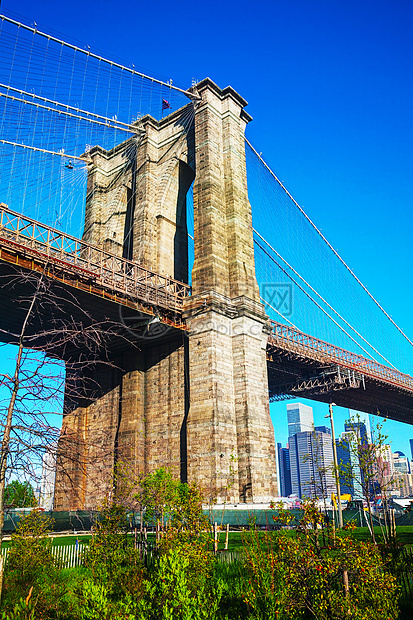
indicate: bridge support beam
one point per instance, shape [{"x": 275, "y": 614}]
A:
[
  {"x": 198, "y": 405},
  {"x": 230, "y": 437},
  {"x": 133, "y": 420}
]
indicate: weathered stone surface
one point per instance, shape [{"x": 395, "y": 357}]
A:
[
  {"x": 197, "y": 403},
  {"x": 135, "y": 418},
  {"x": 229, "y": 413}
]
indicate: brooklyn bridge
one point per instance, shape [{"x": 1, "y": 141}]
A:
[{"x": 156, "y": 234}]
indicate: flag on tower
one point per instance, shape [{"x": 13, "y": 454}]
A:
[{"x": 165, "y": 104}]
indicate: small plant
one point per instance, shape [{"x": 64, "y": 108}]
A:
[
  {"x": 22, "y": 610},
  {"x": 30, "y": 557},
  {"x": 182, "y": 587},
  {"x": 111, "y": 558}
]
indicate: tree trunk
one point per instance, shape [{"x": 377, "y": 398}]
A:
[
  {"x": 6, "y": 436},
  {"x": 10, "y": 409},
  {"x": 371, "y": 523}
]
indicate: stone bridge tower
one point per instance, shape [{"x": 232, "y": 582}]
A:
[{"x": 196, "y": 402}]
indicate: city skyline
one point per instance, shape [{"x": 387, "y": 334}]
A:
[
  {"x": 398, "y": 433},
  {"x": 305, "y": 462}
]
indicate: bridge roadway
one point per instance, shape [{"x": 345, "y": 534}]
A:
[
  {"x": 300, "y": 365},
  {"x": 116, "y": 291},
  {"x": 28, "y": 244}
]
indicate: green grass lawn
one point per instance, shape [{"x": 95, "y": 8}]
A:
[
  {"x": 404, "y": 535},
  {"x": 61, "y": 540}
]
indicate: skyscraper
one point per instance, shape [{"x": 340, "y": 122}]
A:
[
  {"x": 300, "y": 418},
  {"x": 284, "y": 470},
  {"x": 300, "y": 422},
  {"x": 48, "y": 479},
  {"x": 359, "y": 429},
  {"x": 311, "y": 460},
  {"x": 323, "y": 429},
  {"x": 362, "y": 418},
  {"x": 347, "y": 460},
  {"x": 400, "y": 463}
]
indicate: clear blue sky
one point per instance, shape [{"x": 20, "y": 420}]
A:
[{"x": 330, "y": 87}]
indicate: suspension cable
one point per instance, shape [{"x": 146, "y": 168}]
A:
[
  {"x": 266, "y": 303},
  {"x": 87, "y": 52},
  {"x": 316, "y": 293},
  {"x": 325, "y": 311},
  {"x": 64, "y": 105},
  {"x": 34, "y": 148},
  {"x": 328, "y": 243},
  {"x": 67, "y": 113}
]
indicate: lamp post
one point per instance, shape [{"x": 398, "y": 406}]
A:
[{"x": 336, "y": 474}]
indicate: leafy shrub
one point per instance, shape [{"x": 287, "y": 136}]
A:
[
  {"x": 111, "y": 558},
  {"x": 182, "y": 587},
  {"x": 30, "y": 550},
  {"x": 290, "y": 578},
  {"x": 22, "y": 610},
  {"x": 30, "y": 565}
]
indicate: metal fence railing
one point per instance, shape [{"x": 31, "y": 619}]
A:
[
  {"x": 120, "y": 276},
  {"x": 66, "y": 556},
  {"x": 292, "y": 339}
]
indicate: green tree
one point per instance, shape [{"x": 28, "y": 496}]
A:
[
  {"x": 111, "y": 556},
  {"x": 187, "y": 512},
  {"x": 160, "y": 495},
  {"x": 188, "y": 526},
  {"x": 19, "y": 495},
  {"x": 371, "y": 473}
]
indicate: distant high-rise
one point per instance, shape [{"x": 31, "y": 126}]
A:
[
  {"x": 348, "y": 464},
  {"x": 359, "y": 429},
  {"x": 411, "y": 447},
  {"x": 311, "y": 460},
  {"x": 284, "y": 470},
  {"x": 363, "y": 419},
  {"x": 401, "y": 463},
  {"x": 48, "y": 479},
  {"x": 323, "y": 429},
  {"x": 300, "y": 418},
  {"x": 386, "y": 456}
]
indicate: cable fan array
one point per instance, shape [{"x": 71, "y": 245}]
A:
[
  {"x": 305, "y": 283},
  {"x": 58, "y": 100}
]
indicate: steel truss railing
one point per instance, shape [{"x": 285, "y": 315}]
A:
[
  {"x": 291, "y": 339},
  {"x": 130, "y": 280},
  {"x": 122, "y": 277}
]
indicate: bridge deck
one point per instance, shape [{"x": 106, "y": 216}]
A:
[
  {"x": 299, "y": 365},
  {"x": 28, "y": 243},
  {"x": 293, "y": 340}
]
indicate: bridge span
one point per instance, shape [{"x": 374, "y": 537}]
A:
[
  {"x": 299, "y": 365},
  {"x": 196, "y": 398}
]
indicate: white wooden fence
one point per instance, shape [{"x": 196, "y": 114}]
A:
[{"x": 66, "y": 556}]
